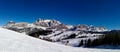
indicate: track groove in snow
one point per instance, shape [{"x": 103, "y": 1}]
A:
[{"x": 11, "y": 41}]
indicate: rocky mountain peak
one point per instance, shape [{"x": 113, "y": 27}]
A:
[{"x": 46, "y": 22}]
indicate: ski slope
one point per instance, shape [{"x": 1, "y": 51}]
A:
[{"x": 11, "y": 41}]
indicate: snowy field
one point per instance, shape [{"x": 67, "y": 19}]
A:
[{"x": 11, "y": 41}]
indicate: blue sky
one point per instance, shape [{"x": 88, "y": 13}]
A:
[{"x": 91, "y": 12}]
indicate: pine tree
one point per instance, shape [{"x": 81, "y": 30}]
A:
[
  {"x": 88, "y": 43},
  {"x": 81, "y": 43}
]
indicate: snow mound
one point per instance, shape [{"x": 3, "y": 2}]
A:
[{"x": 11, "y": 41}]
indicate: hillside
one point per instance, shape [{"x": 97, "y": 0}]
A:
[{"x": 11, "y": 41}]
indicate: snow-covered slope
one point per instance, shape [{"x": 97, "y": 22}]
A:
[{"x": 11, "y": 41}]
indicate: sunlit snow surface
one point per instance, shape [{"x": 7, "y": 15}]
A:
[{"x": 11, "y": 41}]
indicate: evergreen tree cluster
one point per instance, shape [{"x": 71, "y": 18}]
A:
[{"x": 111, "y": 38}]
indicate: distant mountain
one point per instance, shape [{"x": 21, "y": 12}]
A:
[
  {"x": 56, "y": 31},
  {"x": 51, "y": 25},
  {"x": 90, "y": 28},
  {"x": 46, "y": 23}
]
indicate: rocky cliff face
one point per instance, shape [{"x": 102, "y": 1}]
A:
[
  {"x": 89, "y": 28},
  {"x": 46, "y": 23}
]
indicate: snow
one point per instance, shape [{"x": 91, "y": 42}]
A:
[
  {"x": 11, "y": 41},
  {"x": 53, "y": 34},
  {"x": 40, "y": 27},
  {"x": 47, "y": 20},
  {"x": 63, "y": 35},
  {"x": 69, "y": 26},
  {"x": 34, "y": 26}
]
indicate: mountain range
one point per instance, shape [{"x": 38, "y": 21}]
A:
[{"x": 57, "y": 32}]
